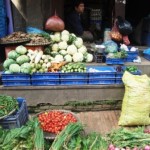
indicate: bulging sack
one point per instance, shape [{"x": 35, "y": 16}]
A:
[
  {"x": 55, "y": 23},
  {"x": 136, "y": 101},
  {"x": 124, "y": 27}
]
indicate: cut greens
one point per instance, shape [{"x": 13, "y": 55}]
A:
[
  {"x": 8, "y": 105},
  {"x": 123, "y": 138}
]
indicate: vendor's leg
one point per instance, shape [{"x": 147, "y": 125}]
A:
[{"x": 87, "y": 36}]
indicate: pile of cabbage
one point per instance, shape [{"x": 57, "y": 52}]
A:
[
  {"x": 68, "y": 47},
  {"x": 17, "y": 61}
]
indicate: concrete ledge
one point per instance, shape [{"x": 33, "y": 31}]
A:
[{"x": 59, "y": 95}]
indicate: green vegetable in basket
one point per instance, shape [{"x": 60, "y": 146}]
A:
[{"x": 7, "y": 105}]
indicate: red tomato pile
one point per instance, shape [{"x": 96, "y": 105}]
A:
[{"x": 55, "y": 121}]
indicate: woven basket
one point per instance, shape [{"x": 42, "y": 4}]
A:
[
  {"x": 15, "y": 42},
  {"x": 51, "y": 136},
  {"x": 38, "y": 44}
]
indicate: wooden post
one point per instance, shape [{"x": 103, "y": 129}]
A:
[{"x": 120, "y": 8}]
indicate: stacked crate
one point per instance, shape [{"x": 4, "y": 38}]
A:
[
  {"x": 45, "y": 79},
  {"x": 15, "y": 79},
  {"x": 101, "y": 75}
]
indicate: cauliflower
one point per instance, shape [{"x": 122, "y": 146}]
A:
[
  {"x": 78, "y": 42},
  {"x": 82, "y": 49},
  {"x": 68, "y": 58},
  {"x": 63, "y": 52},
  {"x": 78, "y": 57},
  {"x": 55, "y": 47},
  {"x": 52, "y": 38},
  {"x": 62, "y": 45},
  {"x": 88, "y": 57},
  {"x": 65, "y": 32},
  {"x": 71, "y": 49},
  {"x": 57, "y": 37},
  {"x": 65, "y": 37},
  {"x": 59, "y": 58}
]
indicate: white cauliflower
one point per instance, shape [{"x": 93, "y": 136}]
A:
[
  {"x": 59, "y": 58},
  {"x": 82, "y": 49},
  {"x": 78, "y": 57},
  {"x": 68, "y": 58},
  {"x": 71, "y": 49},
  {"x": 57, "y": 37},
  {"x": 55, "y": 47},
  {"x": 65, "y": 37},
  {"x": 78, "y": 42},
  {"x": 89, "y": 57},
  {"x": 65, "y": 32},
  {"x": 62, "y": 45},
  {"x": 63, "y": 52}
]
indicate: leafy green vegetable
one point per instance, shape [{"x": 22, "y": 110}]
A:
[
  {"x": 7, "y": 63},
  {"x": 123, "y": 138},
  {"x": 22, "y": 59},
  {"x": 13, "y": 55},
  {"x": 26, "y": 68},
  {"x": 14, "y": 68}
]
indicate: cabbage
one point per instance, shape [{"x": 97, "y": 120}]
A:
[
  {"x": 7, "y": 63},
  {"x": 111, "y": 46},
  {"x": 14, "y": 68},
  {"x": 22, "y": 59},
  {"x": 21, "y": 50},
  {"x": 26, "y": 68},
  {"x": 13, "y": 55}
]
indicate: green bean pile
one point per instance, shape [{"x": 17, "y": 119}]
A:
[{"x": 7, "y": 104}]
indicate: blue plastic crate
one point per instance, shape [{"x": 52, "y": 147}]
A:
[
  {"x": 101, "y": 72},
  {"x": 133, "y": 53},
  {"x": 74, "y": 75},
  {"x": 73, "y": 81},
  {"x": 16, "y": 82},
  {"x": 102, "y": 81},
  {"x": 147, "y": 56},
  {"x": 15, "y": 76},
  {"x": 18, "y": 118},
  {"x": 120, "y": 74},
  {"x": 130, "y": 58},
  {"x": 45, "y": 82},
  {"x": 47, "y": 75},
  {"x": 119, "y": 81},
  {"x": 115, "y": 61}
]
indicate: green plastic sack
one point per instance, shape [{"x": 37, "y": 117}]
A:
[{"x": 136, "y": 101}]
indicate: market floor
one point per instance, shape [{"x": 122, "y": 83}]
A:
[{"x": 100, "y": 121}]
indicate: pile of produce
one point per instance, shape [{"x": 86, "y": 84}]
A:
[
  {"x": 55, "y": 121},
  {"x": 8, "y": 104},
  {"x": 74, "y": 67},
  {"x": 17, "y": 61},
  {"x": 120, "y": 54},
  {"x": 73, "y": 138},
  {"x": 15, "y": 36},
  {"x": 38, "y": 39},
  {"x": 135, "y": 139},
  {"x": 28, "y": 137},
  {"x": 67, "y": 47}
]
